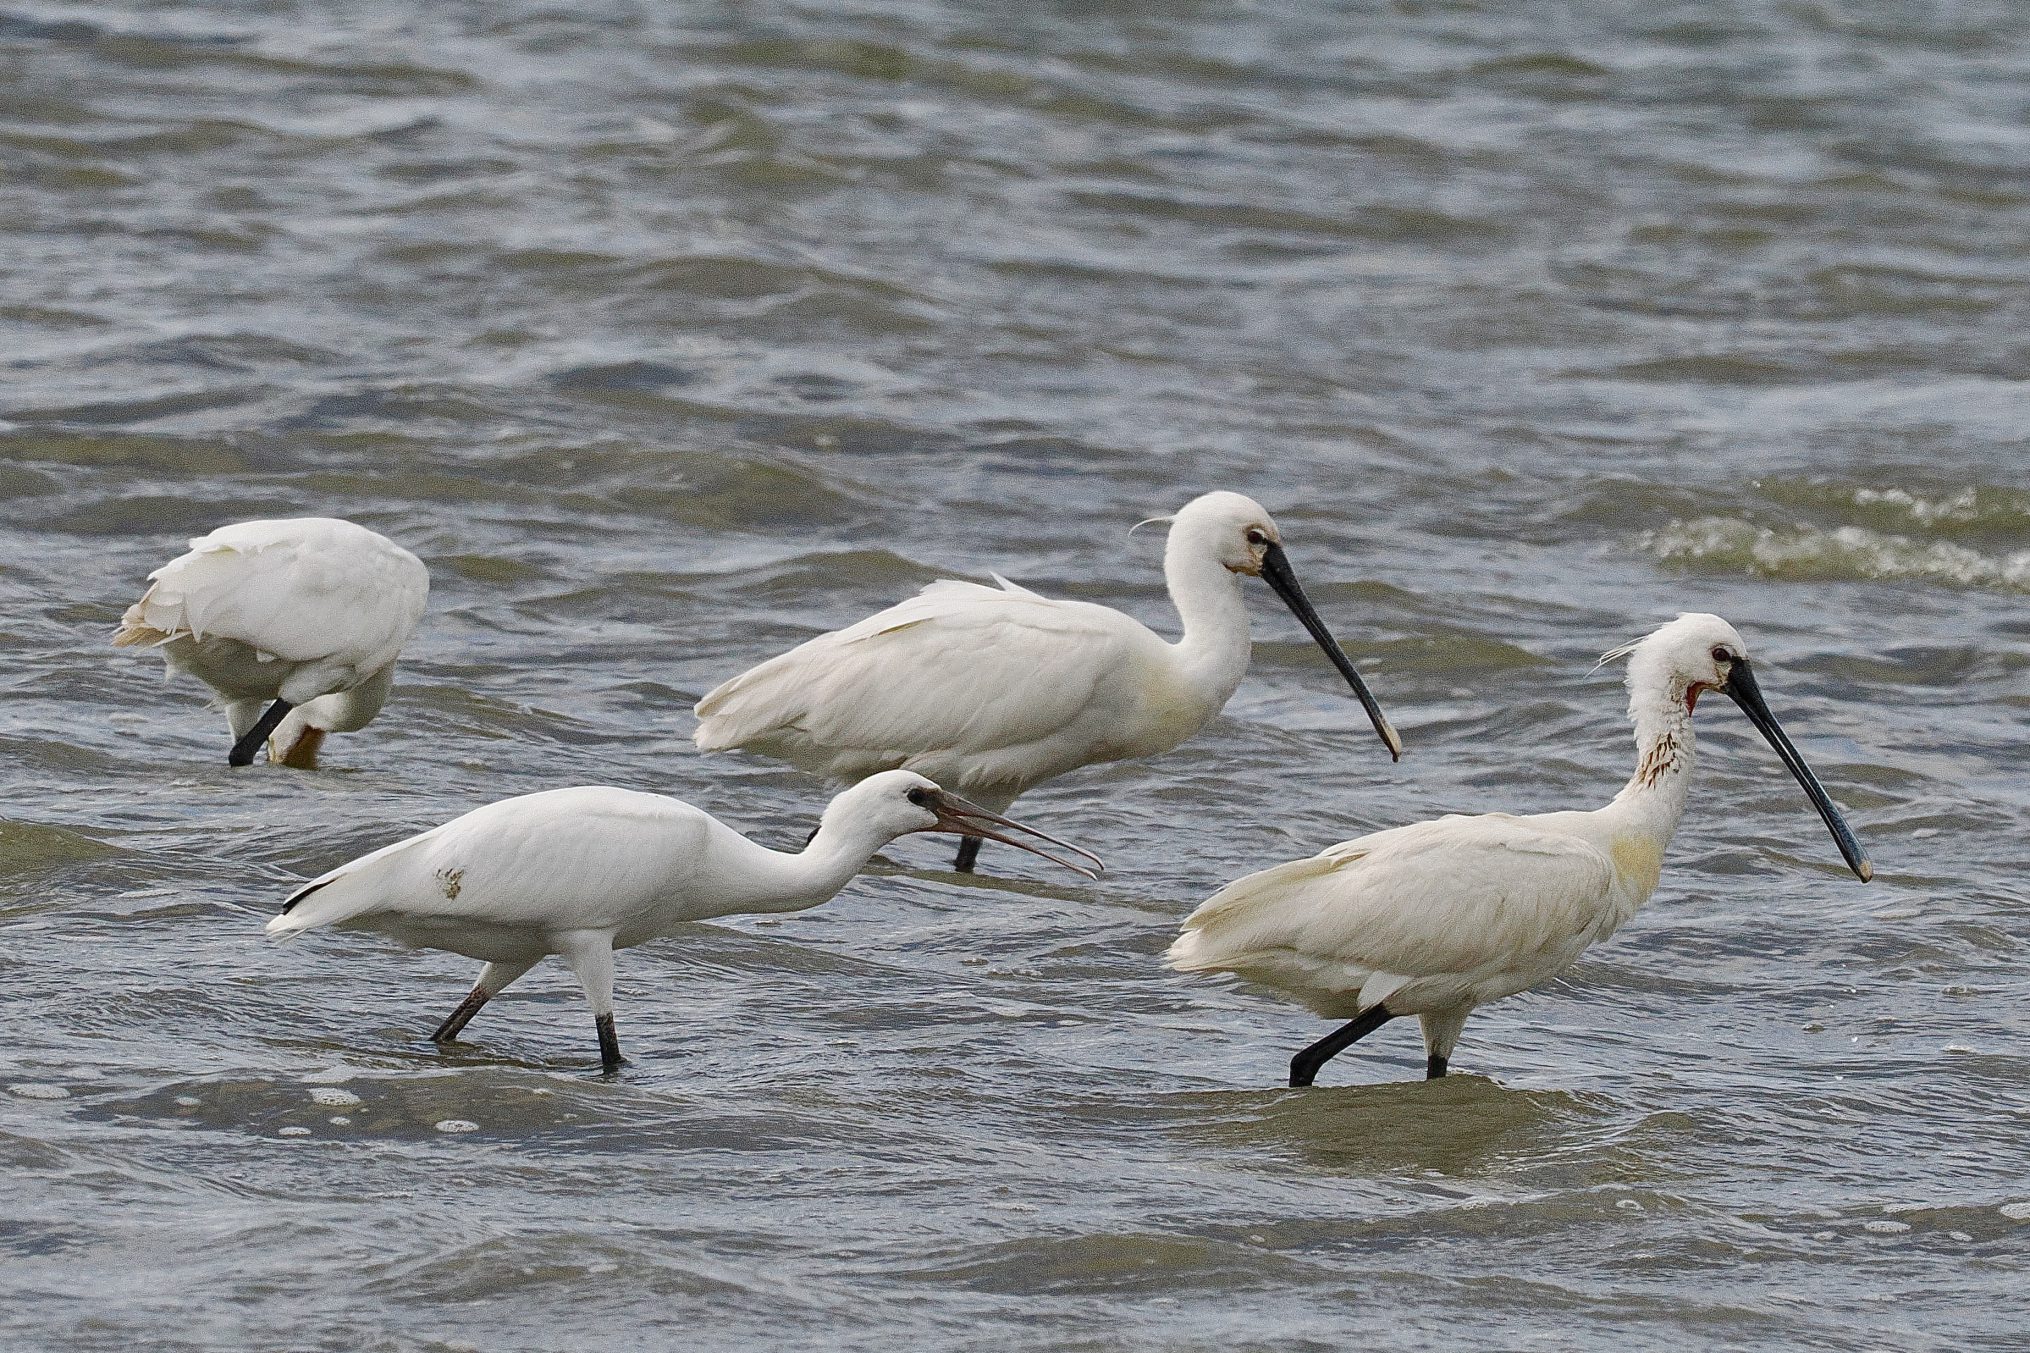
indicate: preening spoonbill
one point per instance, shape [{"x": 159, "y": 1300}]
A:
[
  {"x": 583, "y": 872},
  {"x": 1436, "y": 918},
  {"x": 993, "y": 690},
  {"x": 307, "y": 613}
]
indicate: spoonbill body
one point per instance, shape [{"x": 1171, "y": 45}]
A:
[
  {"x": 303, "y": 614},
  {"x": 993, "y": 690},
  {"x": 582, "y": 872},
  {"x": 1436, "y": 918}
]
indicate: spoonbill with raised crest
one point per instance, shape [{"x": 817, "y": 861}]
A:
[
  {"x": 993, "y": 690},
  {"x": 306, "y": 614},
  {"x": 1434, "y": 919},
  {"x": 583, "y": 872}
]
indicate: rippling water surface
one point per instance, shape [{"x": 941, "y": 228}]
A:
[{"x": 670, "y": 335}]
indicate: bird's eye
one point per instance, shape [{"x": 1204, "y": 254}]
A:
[
  {"x": 1257, "y": 536},
  {"x": 920, "y": 797},
  {"x": 1722, "y": 655}
]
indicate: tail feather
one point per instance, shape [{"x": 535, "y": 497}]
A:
[
  {"x": 289, "y": 903},
  {"x": 325, "y": 907},
  {"x": 291, "y": 921},
  {"x": 136, "y": 627},
  {"x": 347, "y": 891},
  {"x": 130, "y": 635},
  {"x": 745, "y": 708}
]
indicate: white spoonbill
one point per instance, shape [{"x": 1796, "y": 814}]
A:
[
  {"x": 307, "y": 613},
  {"x": 583, "y": 872},
  {"x": 1436, "y": 918},
  {"x": 993, "y": 690}
]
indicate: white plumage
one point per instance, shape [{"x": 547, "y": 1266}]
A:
[
  {"x": 582, "y": 872},
  {"x": 993, "y": 690},
  {"x": 309, "y": 613},
  {"x": 1436, "y": 918}
]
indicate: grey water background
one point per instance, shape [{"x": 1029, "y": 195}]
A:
[{"x": 671, "y": 335}]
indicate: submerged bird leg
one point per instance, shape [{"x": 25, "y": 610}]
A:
[
  {"x": 242, "y": 753},
  {"x": 1304, "y": 1066},
  {"x": 1441, "y": 1034},
  {"x": 590, "y": 954},
  {"x": 609, "y": 1043},
  {"x": 462, "y": 1016},
  {"x": 969, "y": 851},
  {"x": 493, "y": 979}
]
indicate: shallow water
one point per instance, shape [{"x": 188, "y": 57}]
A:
[{"x": 668, "y": 339}]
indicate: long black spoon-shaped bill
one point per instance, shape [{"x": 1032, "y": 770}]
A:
[
  {"x": 1276, "y": 572},
  {"x": 1743, "y": 690}
]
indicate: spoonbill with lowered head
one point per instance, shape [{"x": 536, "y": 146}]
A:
[
  {"x": 306, "y": 613},
  {"x": 1434, "y": 919},
  {"x": 993, "y": 690},
  {"x": 583, "y": 872}
]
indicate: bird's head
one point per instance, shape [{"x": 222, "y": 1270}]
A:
[
  {"x": 1231, "y": 527},
  {"x": 1697, "y": 652},
  {"x": 1239, "y": 534},
  {"x": 898, "y": 802},
  {"x": 1685, "y": 658}
]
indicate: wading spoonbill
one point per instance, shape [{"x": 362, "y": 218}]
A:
[
  {"x": 1436, "y": 918},
  {"x": 583, "y": 872},
  {"x": 306, "y": 614},
  {"x": 993, "y": 690}
]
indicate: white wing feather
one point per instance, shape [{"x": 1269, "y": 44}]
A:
[
  {"x": 302, "y": 589},
  {"x": 959, "y": 668},
  {"x": 590, "y": 857},
  {"x": 1460, "y": 908}
]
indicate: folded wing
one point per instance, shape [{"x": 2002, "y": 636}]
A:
[
  {"x": 590, "y": 857},
  {"x": 1471, "y": 906},
  {"x": 302, "y": 590},
  {"x": 960, "y": 667}
]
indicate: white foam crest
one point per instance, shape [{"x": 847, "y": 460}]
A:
[
  {"x": 1963, "y": 506},
  {"x": 1850, "y": 552}
]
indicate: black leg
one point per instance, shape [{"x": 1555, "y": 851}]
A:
[
  {"x": 609, "y": 1045},
  {"x": 243, "y": 751},
  {"x": 969, "y": 851},
  {"x": 462, "y": 1016},
  {"x": 1434, "y": 1067},
  {"x": 1304, "y": 1066}
]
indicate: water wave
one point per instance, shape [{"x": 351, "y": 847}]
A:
[
  {"x": 1967, "y": 509},
  {"x": 1725, "y": 544}
]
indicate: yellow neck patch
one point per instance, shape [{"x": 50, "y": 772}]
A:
[{"x": 1639, "y": 860}]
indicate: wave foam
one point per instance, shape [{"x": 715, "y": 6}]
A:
[
  {"x": 1845, "y": 552},
  {"x": 1963, "y": 506},
  {"x": 1972, "y": 509}
]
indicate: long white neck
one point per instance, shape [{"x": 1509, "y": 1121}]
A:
[
  {"x": 764, "y": 880},
  {"x": 1213, "y": 652},
  {"x": 1654, "y": 798}
]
